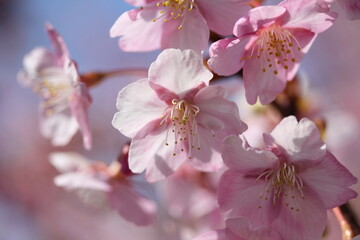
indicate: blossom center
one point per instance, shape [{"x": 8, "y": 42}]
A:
[
  {"x": 182, "y": 118},
  {"x": 174, "y": 10},
  {"x": 55, "y": 91},
  {"x": 276, "y": 47},
  {"x": 282, "y": 183}
]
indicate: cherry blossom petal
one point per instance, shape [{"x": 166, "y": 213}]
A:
[
  {"x": 306, "y": 223},
  {"x": 203, "y": 155},
  {"x": 79, "y": 105},
  {"x": 226, "y": 55},
  {"x": 221, "y": 15},
  {"x": 351, "y": 7},
  {"x": 60, "y": 128},
  {"x": 131, "y": 205},
  {"x": 263, "y": 16},
  {"x": 300, "y": 140},
  {"x": 140, "y": 34},
  {"x": 158, "y": 159},
  {"x": 330, "y": 180},
  {"x": 138, "y": 113},
  {"x": 139, "y": 3},
  {"x": 242, "y": 228},
  {"x": 194, "y": 33},
  {"x": 192, "y": 202},
  {"x": 313, "y": 15},
  {"x": 257, "y": 18},
  {"x": 217, "y": 113},
  {"x": 163, "y": 94},
  {"x": 238, "y": 155},
  {"x": 34, "y": 63},
  {"x": 179, "y": 71},
  {"x": 242, "y": 196},
  {"x": 58, "y": 43},
  {"x": 265, "y": 85},
  {"x": 81, "y": 180},
  {"x": 68, "y": 161},
  {"x": 305, "y": 38},
  {"x": 215, "y": 235}
]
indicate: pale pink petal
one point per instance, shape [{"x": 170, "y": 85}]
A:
[
  {"x": 258, "y": 17},
  {"x": 139, "y": 3},
  {"x": 243, "y": 28},
  {"x": 243, "y": 230},
  {"x": 302, "y": 218},
  {"x": 203, "y": 156},
  {"x": 81, "y": 180},
  {"x": 187, "y": 200},
  {"x": 58, "y": 43},
  {"x": 163, "y": 93},
  {"x": 179, "y": 71},
  {"x": 330, "y": 180},
  {"x": 215, "y": 235},
  {"x": 351, "y": 7},
  {"x": 131, "y": 205},
  {"x": 313, "y": 15},
  {"x": 60, "y": 128},
  {"x": 242, "y": 196},
  {"x": 140, "y": 34},
  {"x": 237, "y": 155},
  {"x": 305, "y": 39},
  {"x": 221, "y": 15},
  {"x": 300, "y": 140},
  {"x": 158, "y": 159},
  {"x": 226, "y": 55},
  {"x": 217, "y": 113},
  {"x": 79, "y": 104},
  {"x": 68, "y": 161},
  {"x": 194, "y": 33},
  {"x": 189, "y": 95},
  {"x": 265, "y": 85},
  {"x": 34, "y": 63},
  {"x": 137, "y": 111}
]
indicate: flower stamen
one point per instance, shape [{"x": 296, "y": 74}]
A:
[
  {"x": 174, "y": 10},
  {"x": 181, "y": 118},
  {"x": 281, "y": 182},
  {"x": 273, "y": 48}
]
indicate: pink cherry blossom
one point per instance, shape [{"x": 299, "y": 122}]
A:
[
  {"x": 97, "y": 180},
  {"x": 352, "y": 8},
  {"x": 182, "y": 24},
  {"x": 65, "y": 100},
  {"x": 240, "y": 229},
  {"x": 291, "y": 183},
  {"x": 174, "y": 116},
  {"x": 269, "y": 45},
  {"x": 189, "y": 204}
]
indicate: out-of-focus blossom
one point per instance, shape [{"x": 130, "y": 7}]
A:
[
  {"x": 106, "y": 183},
  {"x": 259, "y": 118},
  {"x": 176, "y": 117},
  {"x": 182, "y": 24},
  {"x": 291, "y": 183},
  {"x": 269, "y": 45},
  {"x": 189, "y": 204},
  {"x": 65, "y": 100},
  {"x": 352, "y": 8},
  {"x": 240, "y": 229}
]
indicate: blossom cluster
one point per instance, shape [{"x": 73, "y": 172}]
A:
[{"x": 189, "y": 152}]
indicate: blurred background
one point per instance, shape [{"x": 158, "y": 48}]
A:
[{"x": 31, "y": 207}]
